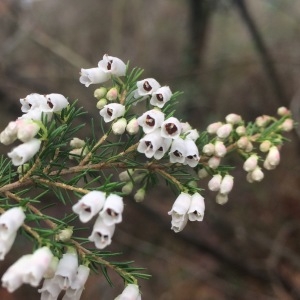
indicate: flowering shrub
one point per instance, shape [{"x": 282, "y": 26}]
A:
[{"x": 140, "y": 148}]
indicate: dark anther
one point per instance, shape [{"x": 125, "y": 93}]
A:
[
  {"x": 171, "y": 128},
  {"x": 109, "y": 65},
  {"x": 160, "y": 97},
  {"x": 149, "y": 144},
  {"x": 150, "y": 121},
  {"x": 177, "y": 153},
  {"x": 160, "y": 149},
  {"x": 147, "y": 87},
  {"x": 109, "y": 112},
  {"x": 111, "y": 212},
  {"x": 87, "y": 209},
  {"x": 50, "y": 104}
]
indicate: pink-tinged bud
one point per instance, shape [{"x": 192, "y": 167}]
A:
[
  {"x": 226, "y": 184},
  {"x": 273, "y": 157},
  {"x": 209, "y": 149},
  {"x": 100, "y": 93},
  {"x": 268, "y": 166},
  {"x": 240, "y": 130},
  {"x": 221, "y": 198},
  {"x": 220, "y": 149},
  {"x": 287, "y": 125},
  {"x": 27, "y": 130},
  {"x": 214, "y": 162},
  {"x": 262, "y": 120},
  {"x": 119, "y": 126},
  {"x": 224, "y": 131},
  {"x": 243, "y": 142},
  {"x": 257, "y": 174},
  {"x": 112, "y": 94},
  {"x": 215, "y": 183},
  {"x": 212, "y": 128},
  {"x": 283, "y": 111},
  {"x": 202, "y": 173},
  {"x": 132, "y": 126},
  {"x": 250, "y": 163},
  {"x": 265, "y": 146},
  {"x": 233, "y": 118}
]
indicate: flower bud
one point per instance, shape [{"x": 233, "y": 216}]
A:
[
  {"x": 119, "y": 126},
  {"x": 233, "y": 118},
  {"x": 101, "y": 103},
  {"x": 250, "y": 163},
  {"x": 273, "y": 156},
  {"x": 240, "y": 130},
  {"x": 77, "y": 143},
  {"x": 132, "y": 126},
  {"x": 127, "y": 188},
  {"x": 140, "y": 195},
  {"x": 265, "y": 146},
  {"x": 224, "y": 131},
  {"x": 212, "y": 128},
  {"x": 64, "y": 235},
  {"x": 100, "y": 93},
  {"x": 215, "y": 183},
  {"x": 214, "y": 162},
  {"x": 249, "y": 147},
  {"x": 283, "y": 111},
  {"x": 287, "y": 125},
  {"x": 209, "y": 149},
  {"x": 257, "y": 174},
  {"x": 112, "y": 94},
  {"x": 226, "y": 184},
  {"x": 220, "y": 149},
  {"x": 125, "y": 175},
  {"x": 221, "y": 198},
  {"x": 27, "y": 130},
  {"x": 202, "y": 173},
  {"x": 262, "y": 120},
  {"x": 243, "y": 142}
]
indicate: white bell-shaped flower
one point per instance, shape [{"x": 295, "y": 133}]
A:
[
  {"x": 93, "y": 76},
  {"x": 112, "y": 210},
  {"x": 12, "y": 279},
  {"x": 131, "y": 292},
  {"x": 178, "y": 226},
  {"x": 5, "y": 245},
  {"x": 56, "y": 102},
  {"x": 250, "y": 163},
  {"x": 101, "y": 234},
  {"x": 112, "y": 111},
  {"x": 50, "y": 289},
  {"x": 146, "y": 87},
  {"x": 75, "y": 290},
  {"x": 66, "y": 270},
  {"x": 33, "y": 101},
  {"x": 164, "y": 147},
  {"x": 89, "y": 205},
  {"x": 24, "y": 152},
  {"x": 171, "y": 128},
  {"x": 215, "y": 183},
  {"x": 226, "y": 184},
  {"x": 178, "y": 151},
  {"x": 151, "y": 120},
  {"x": 150, "y": 143},
  {"x": 39, "y": 263},
  {"x": 192, "y": 153},
  {"x": 112, "y": 65},
  {"x": 10, "y": 222},
  {"x": 161, "y": 96},
  {"x": 180, "y": 207},
  {"x": 197, "y": 208}
]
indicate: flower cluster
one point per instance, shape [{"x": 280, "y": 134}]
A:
[
  {"x": 27, "y": 126},
  {"x": 109, "y": 210}
]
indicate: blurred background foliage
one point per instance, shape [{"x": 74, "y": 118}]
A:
[{"x": 227, "y": 56}]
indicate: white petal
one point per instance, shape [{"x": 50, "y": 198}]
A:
[
  {"x": 197, "y": 207},
  {"x": 192, "y": 153},
  {"x": 112, "y": 210},
  {"x": 178, "y": 151},
  {"x": 93, "y": 76}
]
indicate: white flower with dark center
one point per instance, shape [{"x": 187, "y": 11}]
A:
[
  {"x": 33, "y": 101},
  {"x": 151, "y": 120},
  {"x": 112, "y": 210},
  {"x": 66, "y": 271},
  {"x": 89, "y": 205},
  {"x": 101, "y": 234},
  {"x": 178, "y": 151},
  {"x": 93, "y": 76},
  {"x": 112, "y": 65},
  {"x": 197, "y": 207},
  {"x": 56, "y": 102},
  {"x": 179, "y": 226},
  {"x": 150, "y": 143},
  {"x": 161, "y": 96},
  {"x": 10, "y": 222},
  {"x": 146, "y": 87},
  {"x": 24, "y": 152},
  {"x": 27, "y": 129},
  {"x": 131, "y": 292},
  {"x": 164, "y": 147},
  {"x": 180, "y": 209},
  {"x": 171, "y": 128},
  {"x": 192, "y": 153},
  {"x": 112, "y": 111},
  {"x": 75, "y": 290}
]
